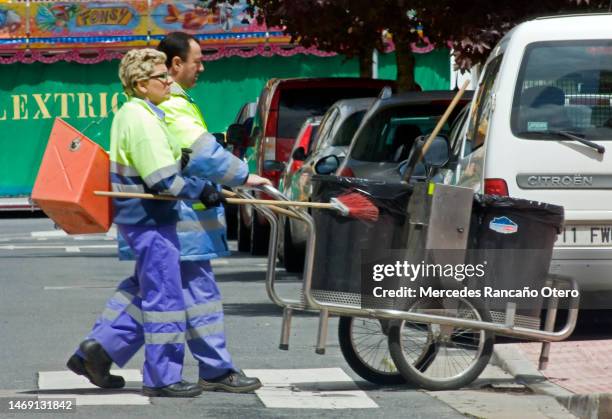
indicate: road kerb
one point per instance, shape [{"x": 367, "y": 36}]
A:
[{"x": 591, "y": 406}]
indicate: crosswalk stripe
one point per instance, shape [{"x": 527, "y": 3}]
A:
[
  {"x": 67, "y": 385},
  {"x": 316, "y": 388},
  {"x": 49, "y": 233}
]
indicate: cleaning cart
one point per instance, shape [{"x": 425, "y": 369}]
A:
[{"x": 433, "y": 343}]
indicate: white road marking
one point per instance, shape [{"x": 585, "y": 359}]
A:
[
  {"x": 317, "y": 388},
  {"x": 73, "y": 249},
  {"x": 93, "y": 246},
  {"x": 49, "y": 233},
  {"x": 72, "y": 385},
  {"x": 70, "y": 287}
]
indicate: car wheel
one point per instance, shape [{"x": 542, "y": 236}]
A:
[
  {"x": 293, "y": 256},
  {"x": 243, "y": 233},
  {"x": 231, "y": 219},
  {"x": 260, "y": 237}
]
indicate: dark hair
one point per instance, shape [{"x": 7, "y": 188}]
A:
[{"x": 176, "y": 44}]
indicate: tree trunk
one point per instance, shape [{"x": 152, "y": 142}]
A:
[
  {"x": 404, "y": 59},
  {"x": 365, "y": 64}
]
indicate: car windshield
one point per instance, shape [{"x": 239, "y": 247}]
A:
[
  {"x": 389, "y": 135},
  {"x": 345, "y": 134},
  {"x": 564, "y": 87},
  {"x": 296, "y": 105}
]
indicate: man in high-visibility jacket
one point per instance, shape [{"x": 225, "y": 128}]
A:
[{"x": 201, "y": 233}]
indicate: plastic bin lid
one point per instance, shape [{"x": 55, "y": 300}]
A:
[{"x": 539, "y": 211}]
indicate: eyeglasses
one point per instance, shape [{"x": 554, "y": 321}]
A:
[{"x": 164, "y": 77}]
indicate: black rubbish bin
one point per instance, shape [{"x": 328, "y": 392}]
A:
[
  {"x": 515, "y": 237},
  {"x": 340, "y": 240}
]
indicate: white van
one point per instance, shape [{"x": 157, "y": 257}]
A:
[{"x": 540, "y": 128}]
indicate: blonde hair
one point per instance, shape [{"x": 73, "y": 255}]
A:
[{"x": 138, "y": 64}]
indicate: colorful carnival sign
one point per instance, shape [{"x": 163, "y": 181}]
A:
[
  {"x": 226, "y": 24},
  {"x": 94, "y": 31},
  {"x": 88, "y": 24},
  {"x": 13, "y": 26}
]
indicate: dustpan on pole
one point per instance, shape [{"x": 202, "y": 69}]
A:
[{"x": 72, "y": 167}]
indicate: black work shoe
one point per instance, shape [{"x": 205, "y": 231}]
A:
[
  {"x": 233, "y": 382},
  {"x": 182, "y": 389},
  {"x": 95, "y": 366}
]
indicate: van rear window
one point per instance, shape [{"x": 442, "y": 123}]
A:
[
  {"x": 564, "y": 87},
  {"x": 296, "y": 105}
]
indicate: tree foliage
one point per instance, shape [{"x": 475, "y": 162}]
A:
[
  {"x": 473, "y": 27},
  {"x": 355, "y": 27}
]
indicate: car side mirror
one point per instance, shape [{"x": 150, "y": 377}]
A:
[
  {"x": 236, "y": 134},
  {"x": 253, "y": 137},
  {"x": 220, "y": 137},
  {"x": 299, "y": 154},
  {"x": 273, "y": 166},
  {"x": 327, "y": 165}
]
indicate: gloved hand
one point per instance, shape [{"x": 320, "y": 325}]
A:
[
  {"x": 211, "y": 197},
  {"x": 185, "y": 152}
]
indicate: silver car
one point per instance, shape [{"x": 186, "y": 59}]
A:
[{"x": 336, "y": 131}]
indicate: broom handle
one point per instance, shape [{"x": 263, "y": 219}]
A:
[
  {"x": 278, "y": 210},
  {"x": 440, "y": 124},
  {"x": 242, "y": 201}
]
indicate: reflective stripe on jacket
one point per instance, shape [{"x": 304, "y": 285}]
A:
[{"x": 143, "y": 160}]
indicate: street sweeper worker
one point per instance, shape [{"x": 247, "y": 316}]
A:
[
  {"x": 201, "y": 232},
  {"x": 143, "y": 159}
]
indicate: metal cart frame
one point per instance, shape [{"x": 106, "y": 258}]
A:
[{"x": 309, "y": 302}]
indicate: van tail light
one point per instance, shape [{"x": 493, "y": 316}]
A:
[
  {"x": 269, "y": 148},
  {"x": 347, "y": 172},
  {"x": 274, "y": 176},
  {"x": 296, "y": 165},
  {"x": 496, "y": 187}
]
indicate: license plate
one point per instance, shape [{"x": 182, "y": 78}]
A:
[{"x": 585, "y": 235}]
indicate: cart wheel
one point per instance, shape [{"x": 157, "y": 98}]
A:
[
  {"x": 437, "y": 357},
  {"x": 364, "y": 347}
]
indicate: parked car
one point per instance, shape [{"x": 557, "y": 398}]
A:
[
  {"x": 335, "y": 133},
  {"x": 388, "y": 132},
  {"x": 283, "y": 106},
  {"x": 244, "y": 117},
  {"x": 540, "y": 127},
  {"x": 301, "y": 149}
]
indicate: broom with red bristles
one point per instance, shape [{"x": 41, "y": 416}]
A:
[{"x": 353, "y": 204}]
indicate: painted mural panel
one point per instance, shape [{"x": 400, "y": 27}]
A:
[
  {"x": 13, "y": 25},
  {"x": 88, "y": 24},
  {"x": 225, "y": 24}
]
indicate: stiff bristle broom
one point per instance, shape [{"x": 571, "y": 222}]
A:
[{"x": 353, "y": 204}]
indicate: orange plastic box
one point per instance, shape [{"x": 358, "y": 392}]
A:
[{"x": 72, "y": 168}]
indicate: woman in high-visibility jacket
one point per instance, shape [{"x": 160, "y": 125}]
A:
[{"x": 144, "y": 160}]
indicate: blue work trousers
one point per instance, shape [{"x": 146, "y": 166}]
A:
[{"x": 119, "y": 329}]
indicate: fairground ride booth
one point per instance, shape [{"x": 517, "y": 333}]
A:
[{"x": 60, "y": 59}]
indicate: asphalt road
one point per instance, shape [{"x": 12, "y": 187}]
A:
[{"x": 54, "y": 286}]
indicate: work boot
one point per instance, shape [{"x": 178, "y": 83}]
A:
[
  {"x": 232, "y": 382},
  {"x": 95, "y": 366},
  {"x": 182, "y": 389}
]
